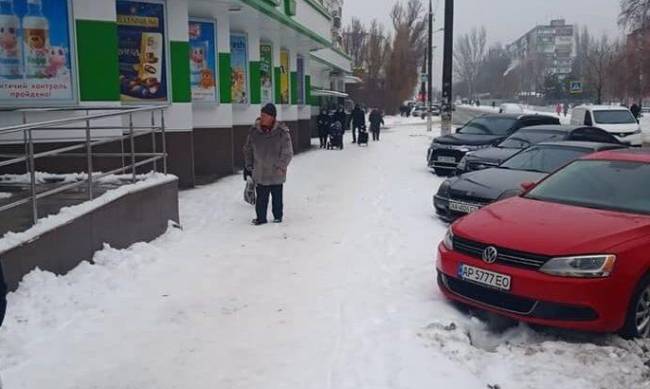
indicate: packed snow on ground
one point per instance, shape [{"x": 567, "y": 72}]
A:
[{"x": 340, "y": 296}]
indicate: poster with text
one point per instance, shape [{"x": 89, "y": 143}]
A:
[
  {"x": 203, "y": 63},
  {"x": 284, "y": 77},
  {"x": 300, "y": 72},
  {"x": 141, "y": 51},
  {"x": 266, "y": 72},
  {"x": 35, "y": 53},
  {"x": 239, "y": 66}
]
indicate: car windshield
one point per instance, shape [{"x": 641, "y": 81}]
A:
[
  {"x": 543, "y": 159},
  {"x": 612, "y": 185},
  {"x": 523, "y": 139},
  {"x": 488, "y": 126},
  {"x": 614, "y": 117}
]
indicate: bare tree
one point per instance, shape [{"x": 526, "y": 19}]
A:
[
  {"x": 601, "y": 62},
  {"x": 354, "y": 42},
  {"x": 634, "y": 14},
  {"x": 407, "y": 52},
  {"x": 376, "y": 50},
  {"x": 469, "y": 55}
]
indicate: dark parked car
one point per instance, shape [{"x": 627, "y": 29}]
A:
[
  {"x": 464, "y": 194},
  {"x": 485, "y": 131},
  {"x": 529, "y": 136}
]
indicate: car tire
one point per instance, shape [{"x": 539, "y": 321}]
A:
[{"x": 640, "y": 304}]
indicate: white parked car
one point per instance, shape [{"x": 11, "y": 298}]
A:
[
  {"x": 511, "y": 108},
  {"x": 618, "y": 121}
]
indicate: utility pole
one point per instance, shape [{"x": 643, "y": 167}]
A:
[
  {"x": 447, "y": 68},
  {"x": 430, "y": 70},
  {"x": 423, "y": 86}
]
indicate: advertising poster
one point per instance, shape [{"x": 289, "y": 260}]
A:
[
  {"x": 266, "y": 72},
  {"x": 203, "y": 63},
  {"x": 239, "y": 66},
  {"x": 284, "y": 77},
  {"x": 300, "y": 72},
  {"x": 35, "y": 52},
  {"x": 141, "y": 51}
]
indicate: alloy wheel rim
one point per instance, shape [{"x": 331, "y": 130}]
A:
[{"x": 642, "y": 317}]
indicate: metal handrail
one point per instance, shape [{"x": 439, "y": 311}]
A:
[{"x": 128, "y": 133}]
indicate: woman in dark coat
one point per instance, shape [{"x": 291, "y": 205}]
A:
[{"x": 323, "y": 125}]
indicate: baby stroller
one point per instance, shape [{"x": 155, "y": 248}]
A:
[
  {"x": 363, "y": 136},
  {"x": 335, "y": 136}
]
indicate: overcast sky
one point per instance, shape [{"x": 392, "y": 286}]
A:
[{"x": 504, "y": 20}]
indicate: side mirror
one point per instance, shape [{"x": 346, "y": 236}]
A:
[
  {"x": 526, "y": 186},
  {"x": 458, "y": 129}
]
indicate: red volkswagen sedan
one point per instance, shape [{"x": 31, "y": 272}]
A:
[{"x": 572, "y": 252}]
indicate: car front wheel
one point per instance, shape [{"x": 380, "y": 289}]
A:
[{"x": 637, "y": 322}]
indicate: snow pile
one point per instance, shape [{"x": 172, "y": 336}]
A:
[
  {"x": 538, "y": 360},
  {"x": 48, "y": 178},
  {"x": 13, "y": 239},
  {"x": 396, "y": 121},
  {"x": 340, "y": 296}
]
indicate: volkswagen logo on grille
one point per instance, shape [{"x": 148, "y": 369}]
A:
[{"x": 490, "y": 254}]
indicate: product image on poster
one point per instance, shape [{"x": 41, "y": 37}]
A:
[
  {"x": 266, "y": 72},
  {"x": 239, "y": 66},
  {"x": 300, "y": 65},
  {"x": 284, "y": 77},
  {"x": 141, "y": 44},
  {"x": 35, "y": 52},
  {"x": 203, "y": 69}
]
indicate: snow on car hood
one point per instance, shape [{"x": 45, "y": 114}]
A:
[{"x": 467, "y": 139}]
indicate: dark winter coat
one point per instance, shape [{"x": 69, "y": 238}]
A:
[
  {"x": 323, "y": 124},
  {"x": 341, "y": 117},
  {"x": 268, "y": 154},
  {"x": 376, "y": 120},
  {"x": 358, "y": 117},
  {"x": 636, "y": 110}
]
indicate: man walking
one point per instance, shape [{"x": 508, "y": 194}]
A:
[
  {"x": 267, "y": 154},
  {"x": 376, "y": 120},
  {"x": 358, "y": 121}
]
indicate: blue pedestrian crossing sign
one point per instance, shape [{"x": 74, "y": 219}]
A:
[{"x": 575, "y": 87}]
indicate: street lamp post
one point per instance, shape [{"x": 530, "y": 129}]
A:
[
  {"x": 430, "y": 71},
  {"x": 447, "y": 68}
]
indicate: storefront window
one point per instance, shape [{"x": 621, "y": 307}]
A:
[
  {"x": 35, "y": 53},
  {"x": 142, "y": 51},
  {"x": 203, "y": 62}
]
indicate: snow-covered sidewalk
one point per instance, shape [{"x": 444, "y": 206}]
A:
[{"x": 340, "y": 296}]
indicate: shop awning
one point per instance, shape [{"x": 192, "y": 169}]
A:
[
  {"x": 353, "y": 80},
  {"x": 327, "y": 93}
]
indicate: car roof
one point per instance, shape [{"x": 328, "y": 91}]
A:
[
  {"x": 517, "y": 116},
  {"x": 629, "y": 155},
  {"x": 603, "y": 107},
  {"x": 556, "y": 127},
  {"x": 596, "y": 146}
]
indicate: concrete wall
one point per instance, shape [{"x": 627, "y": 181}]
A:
[{"x": 141, "y": 216}]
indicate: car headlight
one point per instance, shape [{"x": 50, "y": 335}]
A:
[
  {"x": 443, "y": 190},
  {"x": 587, "y": 266},
  {"x": 462, "y": 165},
  {"x": 637, "y": 132},
  {"x": 448, "y": 241}
]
